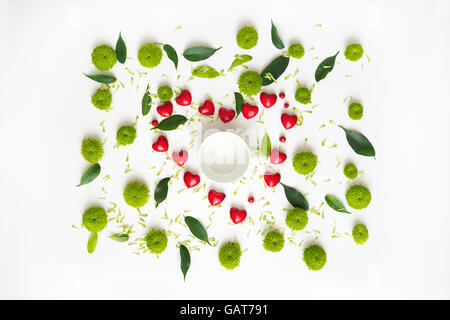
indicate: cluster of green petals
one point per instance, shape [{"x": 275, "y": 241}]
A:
[
  {"x": 354, "y": 52},
  {"x": 103, "y": 57},
  {"x": 350, "y": 171},
  {"x": 149, "y": 55},
  {"x": 358, "y": 197},
  {"x": 136, "y": 194},
  {"x": 125, "y": 135},
  {"x": 304, "y": 162},
  {"x": 230, "y": 255},
  {"x": 296, "y": 51},
  {"x": 315, "y": 257},
  {"x": 95, "y": 219},
  {"x": 355, "y": 111},
  {"x": 273, "y": 241},
  {"x": 303, "y": 95},
  {"x": 360, "y": 233},
  {"x": 250, "y": 83},
  {"x": 165, "y": 93},
  {"x": 92, "y": 150},
  {"x": 296, "y": 219},
  {"x": 156, "y": 241},
  {"x": 247, "y": 37},
  {"x": 102, "y": 99}
]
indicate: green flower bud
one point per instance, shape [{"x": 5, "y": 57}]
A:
[
  {"x": 304, "y": 162},
  {"x": 247, "y": 37},
  {"x": 149, "y": 55},
  {"x": 92, "y": 150},
  {"x": 230, "y": 255},
  {"x": 104, "y": 57},
  {"x": 95, "y": 219},
  {"x": 314, "y": 257}
]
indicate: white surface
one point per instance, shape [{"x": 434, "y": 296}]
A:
[
  {"x": 46, "y": 112},
  {"x": 224, "y": 156}
]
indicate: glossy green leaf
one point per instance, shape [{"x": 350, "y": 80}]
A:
[
  {"x": 120, "y": 237},
  {"x": 240, "y": 59},
  {"x": 171, "y": 54},
  {"x": 335, "y": 204},
  {"x": 102, "y": 78},
  {"x": 276, "y": 38},
  {"x": 146, "y": 102},
  {"x": 325, "y": 67},
  {"x": 197, "y": 228},
  {"x": 171, "y": 123},
  {"x": 239, "y": 99},
  {"x": 185, "y": 260},
  {"x": 205, "y": 71},
  {"x": 199, "y": 53},
  {"x": 90, "y": 174},
  {"x": 359, "y": 143},
  {"x": 161, "y": 191},
  {"x": 92, "y": 242},
  {"x": 295, "y": 198},
  {"x": 266, "y": 145},
  {"x": 121, "y": 50},
  {"x": 274, "y": 70}
]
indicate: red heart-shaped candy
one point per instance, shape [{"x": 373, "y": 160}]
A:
[
  {"x": 249, "y": 111},
  {"x": 184, "y": 99},
  {"x": 166, "y": 109},
  {"x": 272, "y": 179},
  {"x": 277, "y": 157},
  {"x": 237, "y": 216},
  {"x": 215, "y": 198},
  {"x": 226, "y": 115},
  {"x": 191, "y": 180},
  {"x": 267, "y": 100},
  {"x": 180, "y": 158},
  {"x": 161, "y": 145},
  {"x": 207, "y": 108},
  {"x": 288, "y": 121}
]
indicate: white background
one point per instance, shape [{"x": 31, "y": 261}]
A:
[{"x": 45, "y": 113}]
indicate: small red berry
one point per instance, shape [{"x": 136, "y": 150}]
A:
[
  {"x": 282, "y": 139},
  {"x": 282, "y": 95},
  {"x": 155, "y": 123},
  {"x": 251, "y": 199},
  {"x": 286, "y": 105}
]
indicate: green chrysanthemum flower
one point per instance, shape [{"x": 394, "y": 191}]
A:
[
  {"x": 350, "y": 171},
  {"x": 125, "y": 135},
  {"x": 358, "y": 197},
  {"x": 297, "y": 219},
  {"x": 354, "y": 52},
  {"x": 95, "y": 219},
  {"x": 303, "y": 95},
  {"x": 136, "y": 194},
  {"x": 360, "y": 233},
  {"x": 304, "y": 162},
  {"x": 149, "y": 55},
  {"x": 355, "y": 111},
  {"x": 104, "y": 57},
  {"x": 156, "y": 241},
  {"x": 92, "y": 150},
  {"x": 250, "y": 83},
  {"x": 273, "y": 241},
  {"x": 102, "y": 99},
  {"x": 165, "y": 93},
  {"x": 230, "y": 255},
  {"x": 296, "y": 51},
  {"x": 247, "y": 37},
  {"x": 315, "y": 257}
]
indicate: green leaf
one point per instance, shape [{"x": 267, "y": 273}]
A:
[
  {"x": 295, "y": 198},
  {"x": 276, "y": 38},
  {"x": 161, "y": 191},
  {"x": 199, "y": 53},
  {"x": 90, "y": 174},
  {"x": 120, "y": 237},
  {"x": 240, "y": 59},
  {"x": 197, "y": 228},
  {"x": 266, "y": 145},
  {"x": 275, "y": 69},
  {"x": 146, "y": 102},
  {"x": 335, "y": 204},
  {"x": 185, "y": 260},
  {"x": 92, "y": 242},
  {"x": 171, "y": 54},
  {"x": 121, "y": 50},
  {"x": 359, "y": 143},
  {"x": 239, "y": 99},
  {"x": 205, "y": 71},
  {"x": 102, "y": 78},
  {"x": 325, "y": 67},
  {"x": 171, "y": 123}
]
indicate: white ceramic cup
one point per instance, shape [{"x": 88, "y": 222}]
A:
[{"x": 224, "y": 157}]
